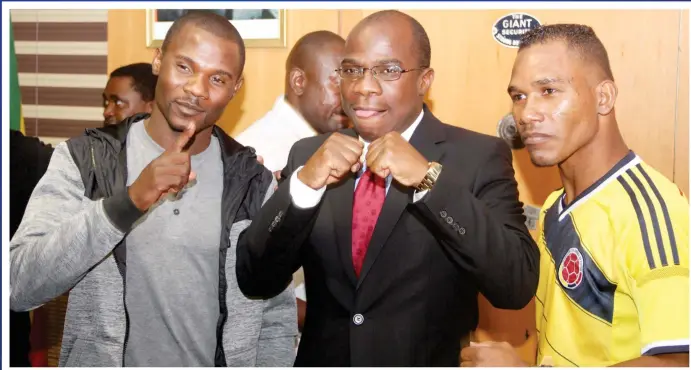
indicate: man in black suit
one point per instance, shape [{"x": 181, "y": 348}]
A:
[{"x": 398, "y": 224}]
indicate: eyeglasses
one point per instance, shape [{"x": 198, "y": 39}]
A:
[{"x": 383, "y": 73}]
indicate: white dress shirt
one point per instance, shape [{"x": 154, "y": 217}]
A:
[
  {"x": 273, "y": 135},
  {"x": 305, "y": 197}
]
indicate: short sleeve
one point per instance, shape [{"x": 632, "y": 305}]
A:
[{"x": 657, "y": 261}]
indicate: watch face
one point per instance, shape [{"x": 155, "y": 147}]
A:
[
  {"x": 424, "y": 185},
  {"x": 435, "y": 170},
  {"x": 430, "y": 178}
]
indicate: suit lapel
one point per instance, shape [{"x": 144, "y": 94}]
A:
[
  {"x": 340, "y": 196},
  {"x": 427, "y": 135}
]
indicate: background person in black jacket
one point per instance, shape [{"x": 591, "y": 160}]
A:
[{"x": 29, "y": 158}]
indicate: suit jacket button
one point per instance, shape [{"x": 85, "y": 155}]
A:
[
  {"x": 461, "y": 231},
  {"x": 358, "y": 319},
  {"x": 443, "y": 214},
  {"x": 456, "y": 226},
  {"x": 449, "y": 220}
]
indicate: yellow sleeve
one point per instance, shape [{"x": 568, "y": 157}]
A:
[{"x": 659, "y": 277}]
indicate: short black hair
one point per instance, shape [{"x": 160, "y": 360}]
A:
[
  {"x": 580, "y": 38},
  {"x": 420, "y": 38},
  {"x": 143, "y": 78},
  {"x": 211, "y": 22}
]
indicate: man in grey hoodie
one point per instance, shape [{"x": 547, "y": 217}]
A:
[{"x": 128, "y": 218}]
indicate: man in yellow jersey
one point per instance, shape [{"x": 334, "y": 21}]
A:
[{"x": 614, "y": 278}]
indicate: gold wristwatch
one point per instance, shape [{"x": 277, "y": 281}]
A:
[{"x": 430, "y": 178}]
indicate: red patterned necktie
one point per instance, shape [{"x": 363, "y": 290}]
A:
[{"x": 367, "y": 204}]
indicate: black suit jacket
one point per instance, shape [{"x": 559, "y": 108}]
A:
[{"x": 416, "y": 298}]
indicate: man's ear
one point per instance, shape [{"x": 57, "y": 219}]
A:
[
  {"x": 149, "y": 106},
  {"x": 156, "y": 64},
  {"x": 297, "y": 81},
  {"x": 425, "y": 81},
  {"x": 606, "y": 97},
  {"x": 238, "y": 85}
]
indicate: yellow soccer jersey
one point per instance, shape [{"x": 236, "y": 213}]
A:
[{"x": 614, "y": 270}]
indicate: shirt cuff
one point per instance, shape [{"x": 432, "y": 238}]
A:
[
  {"x": 301, "y": 293},
  {"x": 419, "y": 195},
  {"x": 302, "y": 195},
  {"x": 663, "y": 347},
  {"x": 121, "y": 211}
]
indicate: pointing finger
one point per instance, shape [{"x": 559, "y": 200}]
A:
[{"x": 184, "y": 138}]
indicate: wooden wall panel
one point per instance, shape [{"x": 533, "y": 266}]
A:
[{"x": 681, "y": 145}]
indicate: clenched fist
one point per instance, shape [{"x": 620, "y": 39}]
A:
[
  {"x": 338, "y": 155},
  {"x": 392, "y": 154},
  {"x": 169, "y": 173}
]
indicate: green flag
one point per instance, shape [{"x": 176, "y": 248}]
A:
[{"x": 16, "y": 118}]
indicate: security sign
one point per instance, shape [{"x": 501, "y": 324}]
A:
[{"x": 509, "y": 29}]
